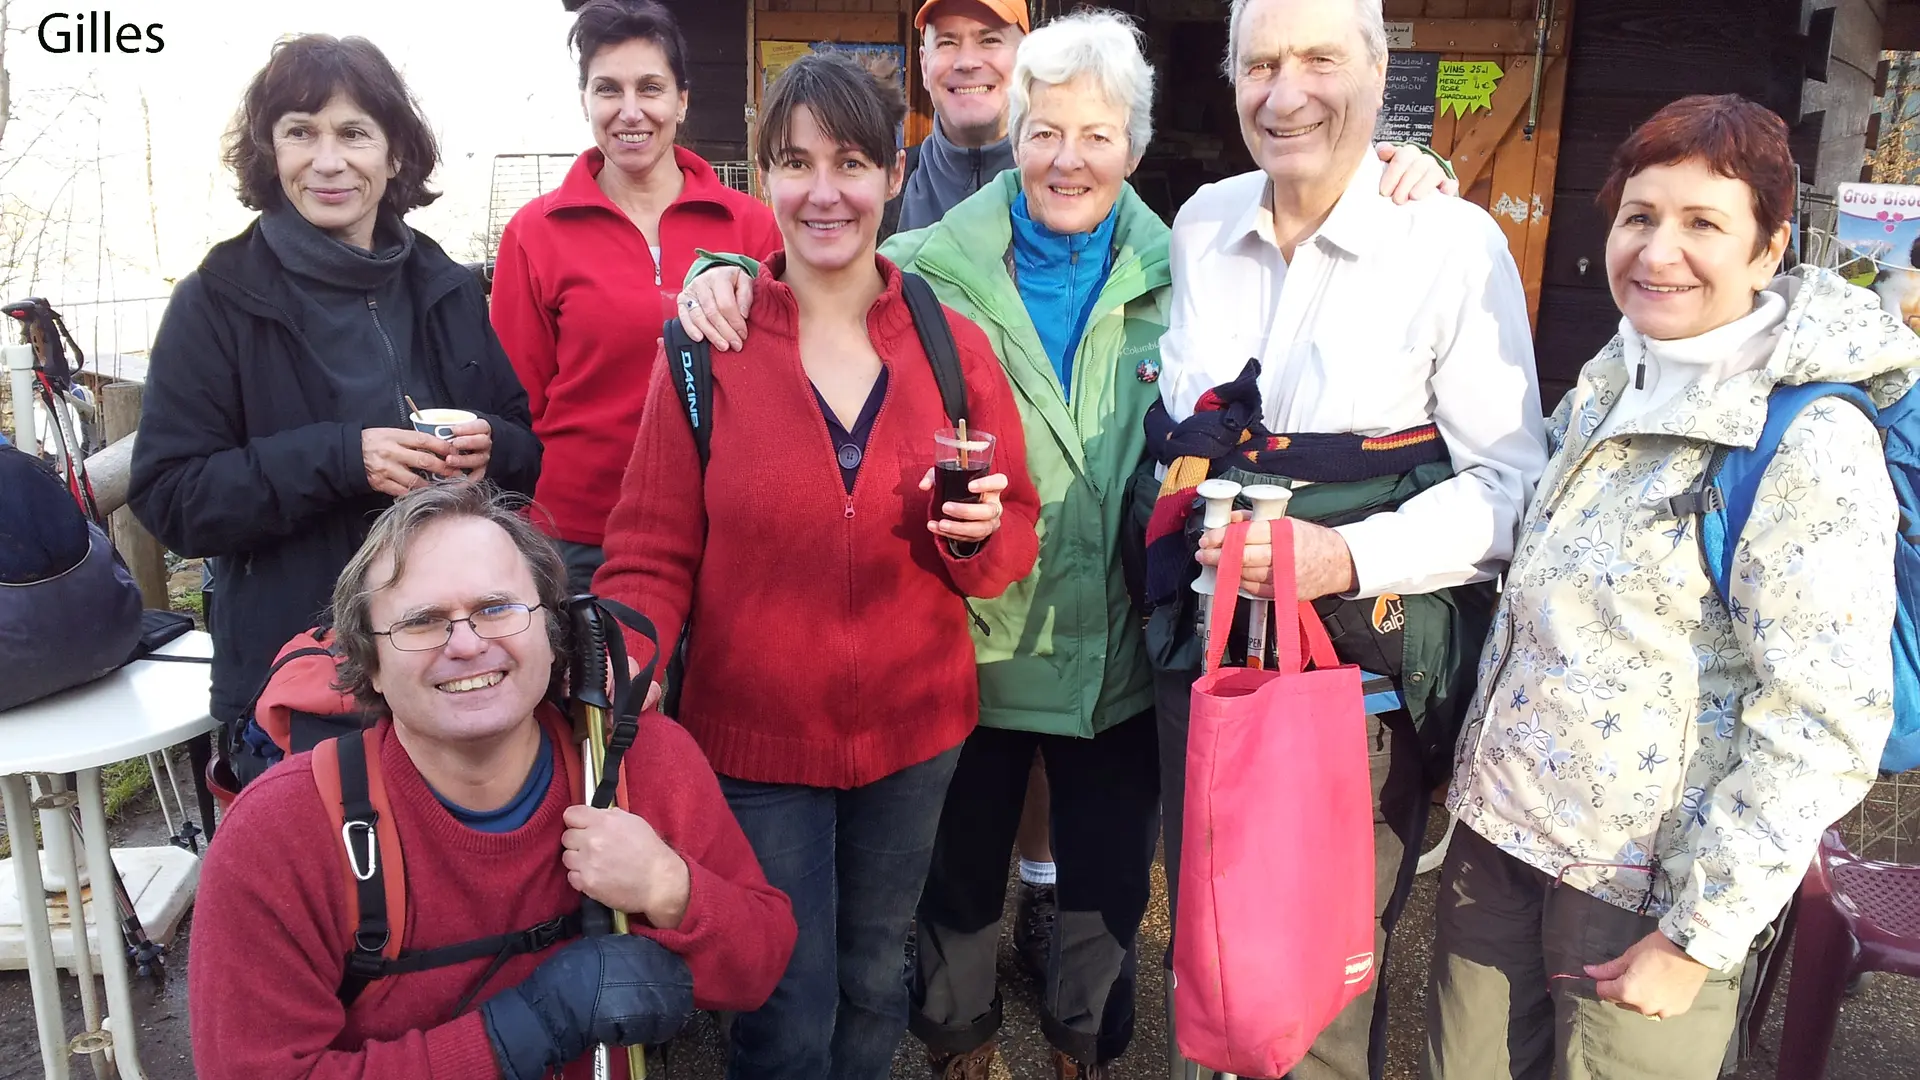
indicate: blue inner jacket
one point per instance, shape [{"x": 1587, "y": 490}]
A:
[{"x": 1059, "y": 276}]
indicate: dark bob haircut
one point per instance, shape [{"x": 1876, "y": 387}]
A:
[
  {"x": 302, "y": 75},
  {"x": 854, "y": 106},
  {"x": 602, "y": 24},
  {"x": 1734, "y": 137}
]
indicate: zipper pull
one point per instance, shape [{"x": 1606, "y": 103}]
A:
[
  {"x": 977, "y": 620},
  {"x": 1640, "y": 376},
  {"x": 849, "y": 514}
]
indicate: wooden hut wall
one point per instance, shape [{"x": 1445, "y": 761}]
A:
[
  {"x": 716, "y": 34},
  {"x": 1503, "y": 164},
  {"x": 885, "y": 22}
]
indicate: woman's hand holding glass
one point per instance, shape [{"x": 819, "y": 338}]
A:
[
  {"x": 714, "y": 306},
  {"x": 969, "y": 523}
]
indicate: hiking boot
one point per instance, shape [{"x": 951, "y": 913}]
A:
[
  {"x": 1071, "y": 1068},
  {"x": 972, "y": 1065},
  {"x": 1034, "y": 910}
]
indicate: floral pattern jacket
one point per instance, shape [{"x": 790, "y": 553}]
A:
[{"x": 1625, "y": 715}]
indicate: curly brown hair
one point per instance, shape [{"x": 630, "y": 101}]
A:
[
  {"x": 393, "y": 532},
  {"x": 302, "y": 75}
]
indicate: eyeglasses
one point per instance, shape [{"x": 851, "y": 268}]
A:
[{"x": 428, "y": 632}]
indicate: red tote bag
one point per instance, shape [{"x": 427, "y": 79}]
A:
[{"x": 1275, "y": 929}]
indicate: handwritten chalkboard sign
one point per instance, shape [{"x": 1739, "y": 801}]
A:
[{"x": 1406, "y": 113}]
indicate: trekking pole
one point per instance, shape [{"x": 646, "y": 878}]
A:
[
  {"x": 1219, "y": 495},
  {"x": 1269, "y": 502},
  {"x": 601, "y": 769},
  {"x": 148, "y": 956}
]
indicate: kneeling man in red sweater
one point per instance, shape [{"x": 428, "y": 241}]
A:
[{"x": 451, "y": 624}]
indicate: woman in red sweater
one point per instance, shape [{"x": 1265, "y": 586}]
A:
[
  {"x": 587, "y": 273},
  {"x": 830, "y": 677},
  {"x": 449, "y": 622}
]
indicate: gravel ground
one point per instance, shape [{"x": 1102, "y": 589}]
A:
[{"x": 1879, "y": 1036}]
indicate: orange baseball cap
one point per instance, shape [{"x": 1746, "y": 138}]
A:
[{"x": 1014, "y": 11}]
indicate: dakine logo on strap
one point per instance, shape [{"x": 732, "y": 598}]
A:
[
  {"x": 1359, "y": 966},
  {"x": 687, "y": 386}
]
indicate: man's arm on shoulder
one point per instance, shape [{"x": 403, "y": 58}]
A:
[
  {"x": 738, "y": 931},
  {"x": 269, "y": 948},
  {"x": 1486, "y": 403}
]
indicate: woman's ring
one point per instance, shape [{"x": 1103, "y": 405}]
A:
[{"x": 690, "y": 304}]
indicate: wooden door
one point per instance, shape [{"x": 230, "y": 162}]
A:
[{"x": 1503, "y": 163}]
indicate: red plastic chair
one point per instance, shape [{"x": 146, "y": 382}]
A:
[{"x": 1854, "y": 915}]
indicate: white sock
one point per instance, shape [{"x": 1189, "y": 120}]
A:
[{"x": 1036, "y": 873}]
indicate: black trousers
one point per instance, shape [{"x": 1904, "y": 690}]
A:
[{"x": 1106, "y": 818}]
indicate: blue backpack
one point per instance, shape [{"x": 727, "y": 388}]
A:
[{"x": 1726, "y": 503}]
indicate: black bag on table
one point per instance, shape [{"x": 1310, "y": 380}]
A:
[{"x": 69, "y": 610}]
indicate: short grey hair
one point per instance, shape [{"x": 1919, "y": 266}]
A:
[
  {"x": 1102, "y": 44},
  {"x": 1367, "y": 15},
  {"x": 393, "y": 533}
]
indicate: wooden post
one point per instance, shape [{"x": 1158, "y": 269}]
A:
[{"x": 120, "y": 406}]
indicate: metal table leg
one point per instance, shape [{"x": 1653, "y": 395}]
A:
[
  {"x": 113, "y": 959},
  {"x": 58, "y": 807},
  {"x": 41, "y": 972}
]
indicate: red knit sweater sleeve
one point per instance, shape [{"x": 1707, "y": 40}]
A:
[
  {"x": 658, "y": 529},
  {"x": 520, "y": 316},
  {"x": 1009, "y": 554},
  {"x": 738, "y": 930},
  {"x": 269, "y": 949}
]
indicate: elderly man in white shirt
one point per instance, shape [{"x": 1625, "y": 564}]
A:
[{"x": 1383, "y": 325}]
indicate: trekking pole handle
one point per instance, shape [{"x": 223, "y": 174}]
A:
[{"x": 588, "y": 682}]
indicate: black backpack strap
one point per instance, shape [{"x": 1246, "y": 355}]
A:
[
  {"x": 360, "y": 833},
  {"x": 936, "y": 337},
  {"x": 692, "y": 372}
]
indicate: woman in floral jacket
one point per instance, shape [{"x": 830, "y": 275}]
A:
[{"x": 1669, "y": 758}]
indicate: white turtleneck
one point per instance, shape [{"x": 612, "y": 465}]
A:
[{"x": 1745, "y": 344}]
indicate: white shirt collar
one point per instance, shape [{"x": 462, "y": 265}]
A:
[{"x": 1353, "y": 226}]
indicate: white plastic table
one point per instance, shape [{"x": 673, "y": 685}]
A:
[{"x": 143, "y": 707}]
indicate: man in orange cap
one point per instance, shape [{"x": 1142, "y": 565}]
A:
[
  {"x": 966, "y": 54},
  {"x": 966, "y": 57}
]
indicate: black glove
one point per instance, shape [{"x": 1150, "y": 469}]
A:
[{"x": 618, "y": 989}]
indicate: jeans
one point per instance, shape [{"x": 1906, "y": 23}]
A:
[
  {"x": 1106, "y": 818},
  {"x": 853, "y": 863}
]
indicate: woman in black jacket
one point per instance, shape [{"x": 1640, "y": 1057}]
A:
[{"x": 276, "y": 422}]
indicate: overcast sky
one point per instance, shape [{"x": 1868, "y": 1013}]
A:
[{"x": 493, "y": 76}]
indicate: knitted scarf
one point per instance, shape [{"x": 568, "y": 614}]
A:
[{"x": 1227, "y": 429}]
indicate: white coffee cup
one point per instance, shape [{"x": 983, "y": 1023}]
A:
[{"x": 440, "y": 423}]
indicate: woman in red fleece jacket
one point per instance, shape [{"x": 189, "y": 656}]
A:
[
  {"x": 449, "y": 618},
  {"x": 830, "y": 677},
  {"x": 586, "y": 274}
]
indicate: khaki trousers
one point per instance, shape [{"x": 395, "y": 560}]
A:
[{"x": 1503, "y": 929}]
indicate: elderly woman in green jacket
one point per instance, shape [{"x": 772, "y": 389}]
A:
[{"x": 1065, "y": 269}]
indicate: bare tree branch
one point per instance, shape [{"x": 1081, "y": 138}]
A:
[{"x": 6, "y": 99}]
